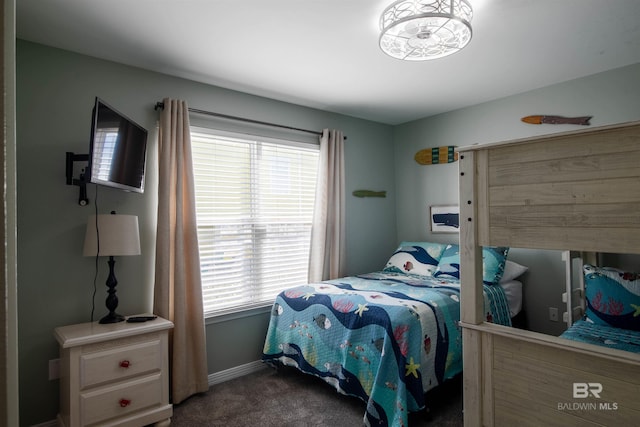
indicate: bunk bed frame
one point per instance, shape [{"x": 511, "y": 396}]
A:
[
  {"x": 574, "y": 294},
  {"x": 575, "y": 191}
]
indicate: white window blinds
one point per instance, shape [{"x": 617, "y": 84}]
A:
[{"x": 254, "y": 202}]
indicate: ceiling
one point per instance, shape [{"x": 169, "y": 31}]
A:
[{"x": 324, "y": 53}]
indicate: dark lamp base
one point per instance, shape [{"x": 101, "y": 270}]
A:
[
  {"x": 112, "y": 299},
  {"x": 112, "y": 318}
]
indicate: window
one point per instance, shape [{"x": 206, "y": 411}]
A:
[{"x": 254, "y": 202}]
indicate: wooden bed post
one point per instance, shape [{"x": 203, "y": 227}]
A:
[{"x": 471, "y": 299}]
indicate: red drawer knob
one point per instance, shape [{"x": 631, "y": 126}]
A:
[
  {"x": 124, "y": 402},
  {"x": 125, "y": 364}
]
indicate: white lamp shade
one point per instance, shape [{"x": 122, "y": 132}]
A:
[{"x": 114, "y": 234}]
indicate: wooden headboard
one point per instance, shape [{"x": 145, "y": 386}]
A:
[
  {"x": 568, "y": 191},
  {"x": 574, "y": 191}
]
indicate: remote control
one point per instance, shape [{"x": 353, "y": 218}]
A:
[{"x": 139, "y": 319}]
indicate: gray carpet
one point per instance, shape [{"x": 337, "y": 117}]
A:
[{"x": 287, "y": 398}]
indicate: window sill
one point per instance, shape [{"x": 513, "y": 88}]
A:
[{"x": 237, "y": 313}]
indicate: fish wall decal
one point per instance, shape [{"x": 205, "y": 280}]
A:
[
  {"x": 557, "y": 120},
  {"x": 369, "y": 193}
]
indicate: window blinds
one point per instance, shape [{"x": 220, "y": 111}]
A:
[{"x": 254, "y": 202}]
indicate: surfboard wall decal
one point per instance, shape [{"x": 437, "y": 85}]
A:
[
  {"x": 435, "y": 155},
  {"x": 557, "y": 120}
]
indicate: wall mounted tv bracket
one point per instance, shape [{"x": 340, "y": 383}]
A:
[{"x": 81, "y": 182}]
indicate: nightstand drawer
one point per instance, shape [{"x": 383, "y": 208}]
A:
[
  {"x": 120, "y": 362},
  {"x": 120, "y": 399}
]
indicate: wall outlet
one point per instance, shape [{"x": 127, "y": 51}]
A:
[
  {"x": 54, "y": 369},
  {"x": 553, "y": 314}
]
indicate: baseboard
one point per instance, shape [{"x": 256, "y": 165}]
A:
[
  {"x": 52, "y": 423},
  {"x": 236, "y": 372}
]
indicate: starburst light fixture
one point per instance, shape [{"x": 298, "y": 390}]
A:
[{"x": 419, "y": 30}]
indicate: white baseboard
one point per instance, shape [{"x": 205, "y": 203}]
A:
[{"x": 236, "y": 372}]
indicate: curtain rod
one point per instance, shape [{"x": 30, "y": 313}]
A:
[{"x": 160, "y": 105}]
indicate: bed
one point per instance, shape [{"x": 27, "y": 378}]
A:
[
  {"x": 609, "y": 336},
  {"x": 607, "y": 302},
  {"x": 389, "y": 336},
  {"x": 577, "y": 191}
]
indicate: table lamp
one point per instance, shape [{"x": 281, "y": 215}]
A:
[{"x": 112, "y": 235}]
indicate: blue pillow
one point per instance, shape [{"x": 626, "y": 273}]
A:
[
  {"x": 613, "y": 297},
  {"x": 419, "y": 258},
  {"x": 493, "y": 260}
]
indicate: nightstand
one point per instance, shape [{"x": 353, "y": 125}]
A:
[{"x": 114, "y": 374}]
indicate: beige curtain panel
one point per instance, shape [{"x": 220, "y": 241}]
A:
[
  {"x": 327, "y": 254},
  {"x": 178, "y": 288}
]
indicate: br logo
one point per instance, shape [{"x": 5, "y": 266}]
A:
[{"x": 584, "y": 390}]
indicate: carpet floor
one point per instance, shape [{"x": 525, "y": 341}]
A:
[{"x": 284, "y": 397}]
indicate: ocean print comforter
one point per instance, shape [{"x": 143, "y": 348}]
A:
[
  {"x": 386, "y": 338},
  {"x": 603, "y": 335}
]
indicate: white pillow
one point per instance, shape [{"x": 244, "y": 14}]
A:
[
  {"x": 512, "y": 270},
  {"x": 513, "y": 292}
]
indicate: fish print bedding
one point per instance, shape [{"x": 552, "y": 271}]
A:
[
  {"x": 612, "y": 315},
  {"x": 384, "y": 337},
  {"x": 602, "y": 335}
]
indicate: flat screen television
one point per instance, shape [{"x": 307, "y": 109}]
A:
[{"x": 118, "y": 150}]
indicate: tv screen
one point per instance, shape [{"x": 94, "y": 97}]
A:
[{"x": 118, "y": 150}]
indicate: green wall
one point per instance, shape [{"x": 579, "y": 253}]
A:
[
  {"x": 55, "y": 96},
  {"x": 610, "y": 97}
]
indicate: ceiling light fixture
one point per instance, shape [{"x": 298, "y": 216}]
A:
[{"x": 418, "y": 30}]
